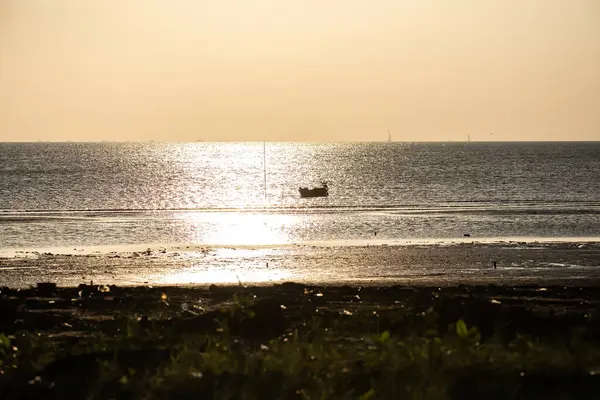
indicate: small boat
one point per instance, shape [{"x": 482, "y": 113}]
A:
[{"x": 322, "y": 191}]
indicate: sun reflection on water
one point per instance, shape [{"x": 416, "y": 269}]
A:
[
  {"x": 233, "y": 229},
  {"x": 239, "y": 228}
]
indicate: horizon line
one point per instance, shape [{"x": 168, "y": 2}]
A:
[{"x": 300, "y": 141}]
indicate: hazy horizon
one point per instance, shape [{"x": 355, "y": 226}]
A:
[
  {"x": 341, "y": 71},
  {"x": 297, "y": 141}
]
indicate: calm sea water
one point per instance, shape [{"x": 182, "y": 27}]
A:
[{"x": 101, "y": 194}]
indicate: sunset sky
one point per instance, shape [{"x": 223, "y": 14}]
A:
[{"x": 334, "y": 70}]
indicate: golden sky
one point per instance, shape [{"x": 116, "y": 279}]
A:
[{"x": 334, "y": 70}]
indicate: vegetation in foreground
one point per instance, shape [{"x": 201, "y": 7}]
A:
[{"x": 293, "y": 341}]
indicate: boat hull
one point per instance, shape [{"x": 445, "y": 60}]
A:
[{"x": 316, "y": 192}]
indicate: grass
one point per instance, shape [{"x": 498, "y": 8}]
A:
[{"x": 290, "y": 343}]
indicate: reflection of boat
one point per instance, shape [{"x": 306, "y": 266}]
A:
[{"x": 322, "y": 191}]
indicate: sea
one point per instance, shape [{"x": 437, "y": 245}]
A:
[{"x": 74, "y": 195}]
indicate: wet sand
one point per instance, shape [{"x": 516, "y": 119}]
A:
[{"x": 517, "y": 263}]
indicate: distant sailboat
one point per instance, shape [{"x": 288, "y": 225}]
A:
[
  {"x": 469, "y": 138},
  {"x": 389, "y": 136}
]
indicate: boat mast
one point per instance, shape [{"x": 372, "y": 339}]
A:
[
  {"x": 389, "y": 136},
  {"x": 265, "y": 166}
]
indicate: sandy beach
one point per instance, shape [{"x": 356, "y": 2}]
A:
[{"x": 569, "y": 263}]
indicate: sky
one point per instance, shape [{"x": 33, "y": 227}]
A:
[{"x": 310, "y": 70}]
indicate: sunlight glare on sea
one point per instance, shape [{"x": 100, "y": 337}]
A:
[
  {"x": 79, "y": 195},
  {"x": 240, "y": 229}
]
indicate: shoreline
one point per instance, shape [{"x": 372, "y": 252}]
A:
[
  {"x": 470, "y": 262},
  {"x": 12, "y": 252}
]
